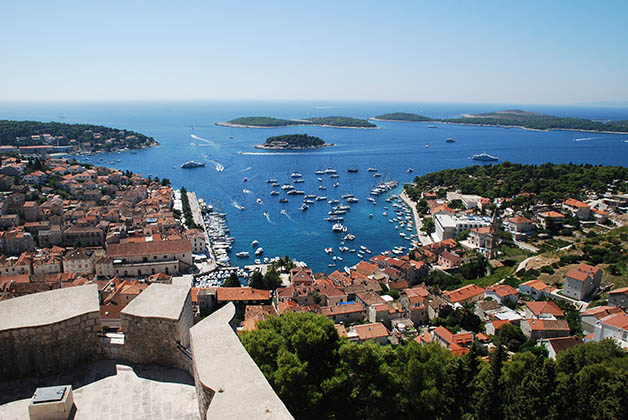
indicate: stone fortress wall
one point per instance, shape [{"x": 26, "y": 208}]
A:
[{"x": 52, "y": 331}]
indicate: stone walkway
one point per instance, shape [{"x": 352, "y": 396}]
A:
[{"x": 109, "y": 390}]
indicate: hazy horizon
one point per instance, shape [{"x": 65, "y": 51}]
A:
[{"x": 562, "y": 53}]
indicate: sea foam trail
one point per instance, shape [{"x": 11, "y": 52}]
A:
[
  {"x": 237, "y": 205},
  {"x": 246, "y": 169},
  {"x": 285, "y": 213},
  {"x": 219, "y": 166},
  {"x": 268, "y": 218},
  {"x": 195, "y": 137},
  {"x": 588, "y": 138}
]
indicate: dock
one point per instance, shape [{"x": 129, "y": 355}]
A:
[{"x": 418, "y": 223}]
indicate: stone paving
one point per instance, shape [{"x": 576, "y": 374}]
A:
[{"x": 112, "y": 390}]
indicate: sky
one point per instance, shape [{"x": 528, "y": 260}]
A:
[{"x": 525, "y": 52}]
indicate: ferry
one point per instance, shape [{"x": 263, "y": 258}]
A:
[
  {"x": 243, "y": 254},
  {"x": 485, "y": 157},
  {"x": 450, "y": 140},
  {"x": 192, "y": 164}
]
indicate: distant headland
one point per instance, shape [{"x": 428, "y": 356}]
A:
[
  {"x": 270, "y": 122},
  {"x": 71, "y": 137},
  {"x": 516, "y": 118},
  {"x": 293, "y": 142}
]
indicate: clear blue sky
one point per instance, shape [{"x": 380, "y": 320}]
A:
[{"x": 530, "y": 52}]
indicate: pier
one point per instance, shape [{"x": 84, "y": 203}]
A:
[{"x": 418, "y": 223}]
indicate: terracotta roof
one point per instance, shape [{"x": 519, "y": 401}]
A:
[
  {"x": 620, "y": 291},
  {"x": 519, "y": 219},
  {"x": 482, "y": 230},
  {"x": 369, "y": 331},
  {"x": 563, "y": 343},
  {"x": 463, "y": 293},
  {"x": 602, "y": 311},
  {"x": 546, "y": 307},
  {"x": 342, "y": 309},
  {"x": 617, "y": 320},
  {"x": 548, "y": 324},
  {"x": 576, "y": 274},
  {"x": 241, "y": 293},
  {"x": 175, "y": 246},
  {"x": 498, "y": 323},
  {"x": 553, "y": 214},
  {"x": 535, "y": 284},
  {"x": 502, "y": 290},
  {"x": 575, "y": 203}
]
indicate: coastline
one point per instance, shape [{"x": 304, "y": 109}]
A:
[
  {"x": 266, "y": 147},
  {"x": 228, "y": 124},
  {"x": 506, "y": 126}
]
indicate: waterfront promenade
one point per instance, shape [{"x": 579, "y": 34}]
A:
[
  {"x": 424, "y": 239},
  {"x": 197, "y": 216}
]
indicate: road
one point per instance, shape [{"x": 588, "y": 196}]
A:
[{"x": 423, "y": 238}]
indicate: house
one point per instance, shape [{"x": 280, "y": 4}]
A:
[
  {"x": 559, "y": 344},
  {"x": 478, "y": 236},
  {"x": 536, "y": 289},
  {"x": 448, "y": 259},
  {"x": 542, "y": 310},
  {"x": 484, "y": 307},
  {"x": 448, "y": 226},
  {"x": 492, "y": 326},
  {"x": 520, "y": 226},
  {"x": 124, "y": 292},
  {"x": 582, "y": 282},
  {"x": 78, "y": 261},
  {"x": 590, "y": 317},
  {"x": 241, "y": 296},
  {"x": 550, "y": 219},
  {"x": 346, "y": 313},
  {"x": 414, "y": 303},
  {"x": 150, "y": 257},
  {"x": 256, "y": 313},
  {"x": 502, "y": 293},
  {"x": 614, "y": 327},
  {"x": 618, "y": 297},
  {"x": 360, "y": 333},
  {"x": 466, "y": 294},
  {"x": 577, "y": 208},
  {"x": 458, "y": 343},
  {"x": 17, "y": 241},
  {"x": 535, "y": 329},
  {"x": 197, "y": 238}
]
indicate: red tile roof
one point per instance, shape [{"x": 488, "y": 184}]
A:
[
  {"x": 546, "y": 307},
  {"x": 232, "y": 294},
  {"x": 464, "y": 293}
]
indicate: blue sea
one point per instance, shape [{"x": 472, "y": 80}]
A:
[{"x": 187, "y": 131}]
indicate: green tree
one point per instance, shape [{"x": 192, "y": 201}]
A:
[
  {"x": 232, "y": 281},
  {"x": 257, "y": 281},
  {"x": 272, "y": 280}
]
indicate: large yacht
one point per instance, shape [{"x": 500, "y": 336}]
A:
[{"x": 485, "y": 157}]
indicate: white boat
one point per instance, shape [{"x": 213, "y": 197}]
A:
[
  {"x": 255, "y": 243},
  {"x": 243, "y": 254},
  {"x": 258, "y": 261},
  {"x": 337, "y": 227},
  {"x": 349, "y": 237},
  {"x": 372, "y": 170},
  {"x": 296, "y": 175},
  {"x": 259, "y": 251},
  {"x": 304, "y": 207},
  {"x": 484, "y": 157},
  {"x": 329, "y": 250},
  {"x": 259, "y": 201},
  {"x": 274, "y": 193}
]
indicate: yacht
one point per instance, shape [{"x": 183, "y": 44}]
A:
[
  {"x": 372, "y": 170},
  {"x": 377, "y": 174},
  {"x": 271, "y": 181},
  {"x": 485, "y": 157},
  {"x": 321, "y": 198},
  {"x": 274, "y": 193},
  {"x": 296, "y": 175},
  {"x": 191, "y": 164},
  {"x": 243, "y": 254},
  {"x": 299, "y": 181},
  {"x": 349, "y": 237},
  {"x": 337, "y": 227},
  {"x": 259, "y": 251},
  {"x": 319, "y": 172}
]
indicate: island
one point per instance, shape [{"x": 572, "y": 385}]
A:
[
  {"x": 516, "y": 118},
  {"x": 270, "y": 122},
  {"x": 293, "y": 142},
  {"x": 78, "y": 138},
  {"x": 401, "y": 116}
]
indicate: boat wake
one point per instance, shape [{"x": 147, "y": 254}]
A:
[
  {"x": 285, "y": 213},
  {"x": 246, "y": 169},
  {"x": 237, "y": 205},
  {"x": 588, "y": 138},
  {"x": 211, "y": 143},
  {"x": 219, "y": 166},
  {"x": 268, "y": 218}
]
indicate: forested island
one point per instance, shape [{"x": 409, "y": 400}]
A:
[
  {"x": 517, "y": 118},
  {"x": 293, "y": 142},
  {"x": 548, "y": 182},
  {"x": 81, "y": 137},
  {"x": 268, "y": 122}
]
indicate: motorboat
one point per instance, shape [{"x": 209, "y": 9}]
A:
[{"x": 485, "y": 157}]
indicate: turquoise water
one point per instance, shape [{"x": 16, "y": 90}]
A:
[{"x": 186, "y": 131}]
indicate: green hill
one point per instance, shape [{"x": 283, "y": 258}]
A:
[{"x": 402, "y": 116}]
